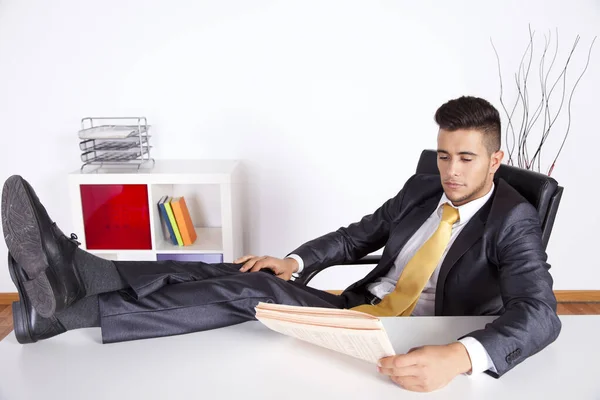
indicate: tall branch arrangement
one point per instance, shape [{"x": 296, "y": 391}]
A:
[{"x": 539, "y": 115}]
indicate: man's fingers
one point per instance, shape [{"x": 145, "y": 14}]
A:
[
  {"x": 399, "y": 361},
  {"x": 261, "y": 263},
  {"x": 249, "y": 264},
  {"x": 415, "y": 349},
  {"x": 243, "y": 259},
  {"x": 386, "y": 371},
  {"x": 412, "y": 370}
]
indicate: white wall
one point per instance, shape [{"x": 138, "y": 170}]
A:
[{"x": 328, "y": 102}]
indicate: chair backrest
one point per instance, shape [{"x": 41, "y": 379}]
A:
[{"x": 542, "y": 191}]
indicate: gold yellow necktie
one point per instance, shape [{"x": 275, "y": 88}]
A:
[{"x": 417, "y": 271}]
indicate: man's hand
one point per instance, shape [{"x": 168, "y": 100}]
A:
[
  {"x": 283, "y": 268},
  {"x": 427, "y": 368}
]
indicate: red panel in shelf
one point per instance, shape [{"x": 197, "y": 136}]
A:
[{"x": 116, "y": 217}]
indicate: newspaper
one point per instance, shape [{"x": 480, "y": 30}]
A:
[{"x": 350, "y": 332}]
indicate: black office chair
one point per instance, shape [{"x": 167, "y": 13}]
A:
[{"x": 540, "y": 190}]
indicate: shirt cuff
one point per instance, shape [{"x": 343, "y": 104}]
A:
[
  {"x": 299, "y": 261},
  {"x": 480, "y": 359}
]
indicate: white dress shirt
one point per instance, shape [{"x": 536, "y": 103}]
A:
[{"x": 480, "y": 359}]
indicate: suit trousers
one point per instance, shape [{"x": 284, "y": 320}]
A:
[{"x": 168, "y": 298}]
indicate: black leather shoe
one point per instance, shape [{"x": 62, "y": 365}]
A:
[
  {"x": 28, "y": 324},
  {"x": 40, "y": 249}
]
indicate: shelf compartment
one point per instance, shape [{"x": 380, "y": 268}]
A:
[
  {"x": 116, "y": 217},
  {"x": 203, "y": 202},
  {"x": 210, "y": 240}
]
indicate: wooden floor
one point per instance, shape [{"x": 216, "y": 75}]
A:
[
  {"x": 563, "y": 309},
  {"x": 5, "y": 320}
]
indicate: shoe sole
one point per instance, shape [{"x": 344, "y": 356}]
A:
[
  {"x": 24, "y": 241},
  {"x": 19, "y": 310},
  {"x": 20, "y": 326}
]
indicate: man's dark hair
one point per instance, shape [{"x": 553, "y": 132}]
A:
[{"x": 468, "y": 112}]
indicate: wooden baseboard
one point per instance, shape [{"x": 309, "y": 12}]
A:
[
  {"x": 577, "y": 296},
  {"x": 562, "y": 296},
  {"x": 8, "y": 298}
]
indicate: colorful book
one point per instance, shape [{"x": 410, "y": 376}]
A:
[
  {"x": 165, "y": 220},
  {"x": 184, "y": 221},
  {"x": 173, "y": 221}
]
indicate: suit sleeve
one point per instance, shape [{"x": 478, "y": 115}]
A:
[
  {"x": 529, "y": 322},
  {"x": 354, "y": 241}
]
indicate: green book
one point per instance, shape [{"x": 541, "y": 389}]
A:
[{"x": 173, "y": 221}]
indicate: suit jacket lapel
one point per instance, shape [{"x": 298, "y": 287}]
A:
[
  {"x": 410, "y": 224},
  {"x": 466, "y": 238},
  {"x": 405, "y": 230}
]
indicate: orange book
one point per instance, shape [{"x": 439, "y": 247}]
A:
[{"x": 184, "y": 221}]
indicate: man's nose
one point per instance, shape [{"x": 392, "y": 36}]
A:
[{"x": 454, "y": 168}]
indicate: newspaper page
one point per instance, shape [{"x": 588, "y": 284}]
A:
[{"x": 369, "y": 343}]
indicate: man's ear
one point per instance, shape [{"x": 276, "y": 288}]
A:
[{"x": 496, "y": 161}]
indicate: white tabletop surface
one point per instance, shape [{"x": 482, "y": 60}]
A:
[{"x": 248, "y": 361}]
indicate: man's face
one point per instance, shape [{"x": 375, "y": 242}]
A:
[{"x": 466, "y": 168}]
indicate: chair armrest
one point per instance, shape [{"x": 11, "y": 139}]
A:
[{"x": 305, "y": 277}]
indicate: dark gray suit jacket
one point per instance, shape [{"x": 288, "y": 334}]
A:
[{"x": 496, "y": 266}]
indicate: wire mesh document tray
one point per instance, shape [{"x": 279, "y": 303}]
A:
[{"x": 115, "y": 141}]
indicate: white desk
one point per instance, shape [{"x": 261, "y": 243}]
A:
[{"x": 248, "y": 361}]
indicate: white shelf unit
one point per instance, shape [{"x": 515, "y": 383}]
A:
[{"x": 212, "y": 190}]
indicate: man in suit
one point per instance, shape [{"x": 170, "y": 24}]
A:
[{"x": 460, "y": 243}]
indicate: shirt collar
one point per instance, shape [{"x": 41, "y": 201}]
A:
[{"x": 466, "y": 211}]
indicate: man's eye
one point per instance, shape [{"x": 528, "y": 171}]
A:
[
  {"x": 443, "y": 158},
  {"x": 467, "y": 159}
]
